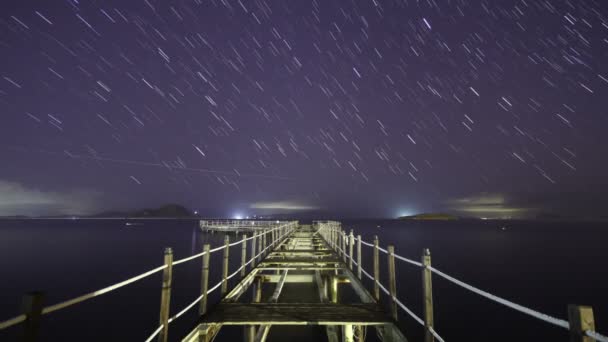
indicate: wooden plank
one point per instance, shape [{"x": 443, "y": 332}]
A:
[{"x": 296, "y": 314}]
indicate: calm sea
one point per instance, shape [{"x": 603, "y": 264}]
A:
[{"x": 542, "y": 265}]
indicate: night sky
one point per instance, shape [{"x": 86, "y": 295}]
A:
[{"x": 348, "y": 108}]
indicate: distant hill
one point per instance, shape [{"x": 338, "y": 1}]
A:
[
  {"x": 430, "y": 216},
  {"x": 169, "y": 210}
]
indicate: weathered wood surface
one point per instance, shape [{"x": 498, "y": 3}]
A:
[{"x": 296, "y": 314}]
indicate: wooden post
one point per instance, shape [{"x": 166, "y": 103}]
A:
[
  {"x": 427, "y": 295},
  {"x": 225, "y": 265},
  {"x": 244, "y": 255},
  {"x": 392, "y": 280},
  {"x": 253, "y": 251},
  {"x": 165, "y": 297},
  {"x": 260, "y": 249},
  {"x": 359, "y": 333},
  {"x": 334, "y": 289},
  {"x": 344, "y": 246},
  {"x": 31, "y": 307},
  {"x": 581, "y": 320},
  {"x": 264, "y": 241},
  {"x": 351, "y": 247},
  {"x": 359, "y": 266},
  {"x": 347, "y": 333},
  {"x": 376, "y": 269},
  {"x": 202, "y": 309}
]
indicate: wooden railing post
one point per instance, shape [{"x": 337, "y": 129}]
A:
[
  {"x": 165, "y": 298},
  {"x": 225, "y": 264},
  {"x": 376, "y": 269},
  {"x": 351, "y": 247},
  {"x": 344, "y": 246},
  {"x": 359, "y": 266},
  {"x": 243, "y": 255},
  {"x": 202, "y": 308},
  {"x": 392, "y": 280},
  {"x": 580, "y": 319},
  {"x": 264, "y": 242},
  {"x": 31, "y": 307},
  {"x": 253, "y": 242},
  {"x": 427, "y": 295},
  {"x": 260, "y": 249}
]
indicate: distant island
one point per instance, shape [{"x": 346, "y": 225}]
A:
[
  {"x": 168, "y": 210},
  {"x": 430, "y": 216}
]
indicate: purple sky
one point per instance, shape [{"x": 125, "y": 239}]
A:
[{"x": 357, "y": 108}]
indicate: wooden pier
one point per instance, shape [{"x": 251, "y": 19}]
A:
[
  {"x": 299, "y": 281},
  {"x": 306, "y": 260}
]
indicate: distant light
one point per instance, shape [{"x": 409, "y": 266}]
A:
[
  {"x": 247, "y": 217},
  {"x": 277, "y": 221},
  {"x": 196, "y": 212},
  {"x": 238, "y": 217}
]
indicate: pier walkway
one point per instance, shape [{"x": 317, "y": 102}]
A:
[{"x": 305, "y": 278}]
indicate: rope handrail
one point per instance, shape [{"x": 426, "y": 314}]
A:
[
  {"x": 197, "y": 255},
  {"x": 93, "y": 294},
  {"x": 416, "y": 263},
  {"x": 367, "y": 243},
  {"x": 12, "y": 321},
  {"x": 539, "y": 315},
  {"x": 596, "y": 335}
]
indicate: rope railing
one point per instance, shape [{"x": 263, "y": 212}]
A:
[
  {"x": 287, "y": 228},
  {"x": 336, "y": 237}
]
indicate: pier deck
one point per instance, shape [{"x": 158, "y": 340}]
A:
[{"x": 298, "y": 284}]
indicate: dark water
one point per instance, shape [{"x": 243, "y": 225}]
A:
[{"x": 541, "y": 265}]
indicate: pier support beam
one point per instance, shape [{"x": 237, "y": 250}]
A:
[{"x": 347, "y": 333}]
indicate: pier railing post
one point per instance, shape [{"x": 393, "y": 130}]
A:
[
  {"x": 165, "y": 298},
  {"x": 344, "y": 246},
  {"x": 392, "y": 280},
  {"x": 351, "y": 247},
  {"x": 427, "y": 295},
  {"x": 359, "y": 266},
  {"x": 580, "y": 319},
  {"x": 225, "y": 264},
  {"x": 260, "y": 249},
  {"x": 253, "y": 250},
  {"x": 264, "y": 241},
  {"x": 31, "y": 307},
  {"x": 204, "y": 279},
  {"x": 243, "y": 255},
  {"x": 376, "y": 269}
]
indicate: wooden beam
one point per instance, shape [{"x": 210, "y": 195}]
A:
[{"x": 279, "y": 288}]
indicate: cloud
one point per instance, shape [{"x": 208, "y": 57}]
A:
[
  {"x": 282, "y": 205},
  {"x": 17, "y": 199},
  {"x": 488, "y": 205}
]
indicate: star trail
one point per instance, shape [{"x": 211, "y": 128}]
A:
[{"x": 364, "y": 108}]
